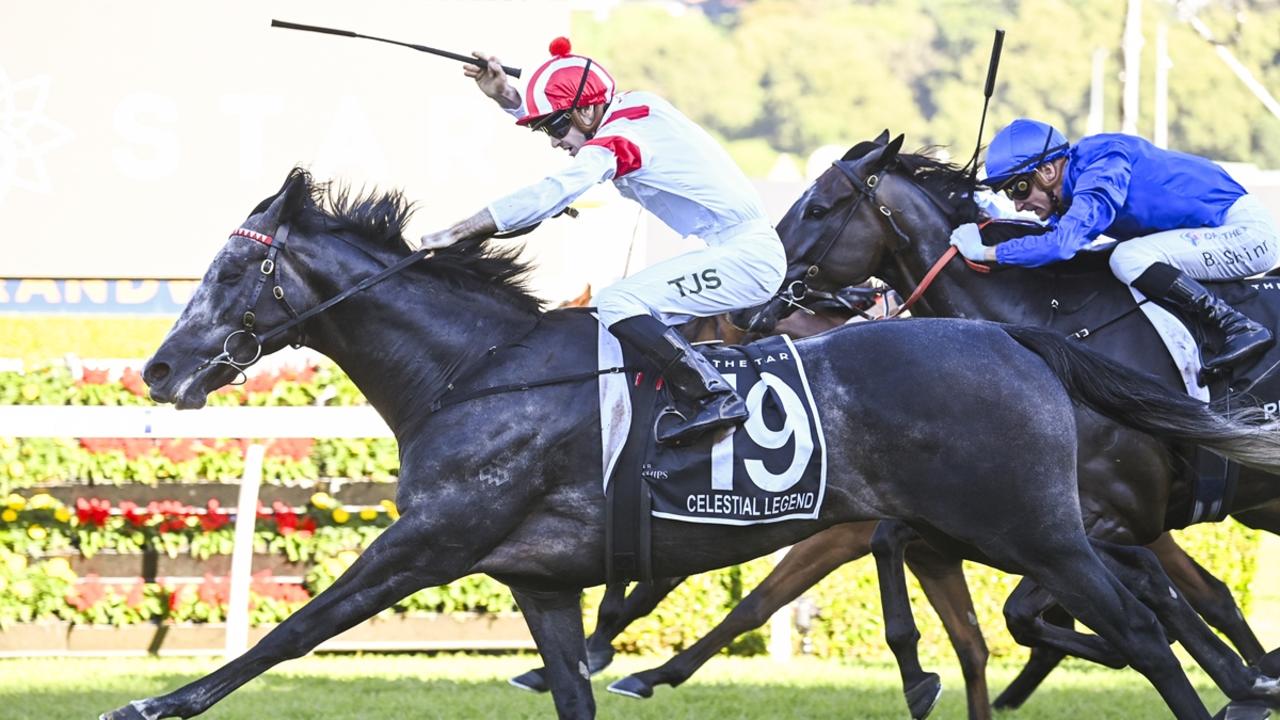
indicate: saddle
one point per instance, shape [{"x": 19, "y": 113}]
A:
[{"x": 770, "y": 468}]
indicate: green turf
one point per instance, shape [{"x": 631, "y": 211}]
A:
[{"x": 401, "y": 687}]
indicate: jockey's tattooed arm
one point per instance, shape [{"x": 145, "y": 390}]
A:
[{"x": 480, "y": 225}]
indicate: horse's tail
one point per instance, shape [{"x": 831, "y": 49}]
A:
[{"x": 1131, "y": 398}]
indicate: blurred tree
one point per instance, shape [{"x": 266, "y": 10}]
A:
[{"x": 770, "y": 76}]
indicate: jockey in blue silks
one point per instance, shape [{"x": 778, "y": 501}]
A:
[{"x": 1180, "y": 218}]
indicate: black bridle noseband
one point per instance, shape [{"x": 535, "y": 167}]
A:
[
  {"x": 792, "y": 293},
  {"x": 267, "y": 271}
]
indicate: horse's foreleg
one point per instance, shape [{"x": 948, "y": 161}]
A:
[
  {"x": 943, "y": 582},
  {"x": 1209, "y": 596},
  {"x": 1023, "y": 616},
  {"x": 1076, "y": 577},
  {"x": 1042, "y": 662},
  {"x": 615, "y": 617},
  {"x": 1141, "y": 572},
  {"x": 804, "y": 565},
  {"x": 390, "y": 569},
  {"x": 555, "y": 620},
  {"x": 922, "y": 689},
  {"x": 617, "y": 610}
]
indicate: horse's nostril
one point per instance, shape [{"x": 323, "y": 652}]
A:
[{"x": 155, "y": 372}]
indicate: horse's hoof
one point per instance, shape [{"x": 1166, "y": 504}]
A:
[
  {"x": 1246, "y": 710},
  {"x": 923, "y": 696},
  {"x": 128, "y": 712},
  {"x": 632, "y": 687},
  {"x": 597, "y": 661},
  {"x": 533, "y": 681}
]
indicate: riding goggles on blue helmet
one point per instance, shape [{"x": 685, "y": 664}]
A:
[
  {"x": 557, "y": 124},
  {"x": 1014, "y": 176}
]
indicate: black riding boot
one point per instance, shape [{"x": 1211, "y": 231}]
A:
[
  {"x": 1241, "y": 337},
  {"x": 703, "y": 397}
]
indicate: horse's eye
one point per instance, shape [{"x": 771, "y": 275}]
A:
[
  {"x": 815, "y": 212},
  {"x": 228, "y": 275}
]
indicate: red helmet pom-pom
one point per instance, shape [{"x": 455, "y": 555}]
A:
[{"x": 560, "y": 47}]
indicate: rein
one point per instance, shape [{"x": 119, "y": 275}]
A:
[
  {"x": 866, "y": 189},
  {"x": 267, "y": 271}
]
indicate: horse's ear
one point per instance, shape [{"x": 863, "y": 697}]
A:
[
  {"x": 883, "y": 137},
  {"x": 882, "y": 157},
  {"x": 286, "y": 203}
]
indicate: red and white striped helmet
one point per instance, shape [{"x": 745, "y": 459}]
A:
[{"x": 554, "y": 85}]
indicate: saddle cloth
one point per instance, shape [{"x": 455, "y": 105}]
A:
[{"x": 769, "y": 469}]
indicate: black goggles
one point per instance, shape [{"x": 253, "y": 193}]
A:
[
  {"x": 1019, "y": 188},
  {"x": 557, "y": 124}
]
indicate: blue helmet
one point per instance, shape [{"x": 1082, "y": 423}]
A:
[{"x": 1020, "y": 148}]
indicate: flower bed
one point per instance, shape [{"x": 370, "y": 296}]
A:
[
  {"x": 65, "y": 502},
  {"x": 31, "y": 462}
]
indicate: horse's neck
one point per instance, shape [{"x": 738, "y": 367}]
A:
[
  {"x": 1010, "y": 296},
  {"x": 403, "y": 355}
]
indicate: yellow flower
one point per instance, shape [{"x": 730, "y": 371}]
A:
[
  {"x": 323, "y": 500},
  {"x": 347, "y": 557},
  {"x": 30, "y": 392},
  {"x": 368, "y": 514},
  {"x": 59, "y": 568},
  {"x": 42, "y": 501},
  {"x": 62, "y": 514},
  {"x": 15, "y": 562},
  {"x": 333, "y": 567},
  {"x": 15, "y": 501},
  {"x": 35, "y": 532},
  {"x": 392, "y": 511},
  {"x": 17, "y": 469},
  {"x": 8, "y": 515},
  {"x": 340, "y": 516},
  {"x": 24, "y": 590}
]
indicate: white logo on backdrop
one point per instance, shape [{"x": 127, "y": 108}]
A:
[{"x": 26, "y": 134}]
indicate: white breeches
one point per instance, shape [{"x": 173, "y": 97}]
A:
[
  {"x": 1246, "y": 243},
  {"x": 742, "y": 268}
]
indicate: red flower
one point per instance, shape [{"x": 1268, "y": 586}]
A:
[
  {"x": 93, "y": 511},
  {"x": 132, "y": 381},
  {"x": 91, "y": 376},
  {"x": 135, "y": 596},
  {"x": 215, "y": 591},
  {"x": 86, "y": 594},
  {"x": 135, "y": 515},
  {"x": 178, "y": 449}
]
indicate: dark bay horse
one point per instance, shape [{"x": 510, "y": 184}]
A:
[
  {"x": 508, "y": 484},
  {"x": 885, "y": 213}
]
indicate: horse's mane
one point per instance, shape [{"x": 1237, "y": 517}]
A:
[
  {"x": 380, "y": 218},
  {"x": 947, "y": 182}
]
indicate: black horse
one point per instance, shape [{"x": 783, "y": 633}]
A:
[
  {"x": 881, "y": 212},
  {"x": 508, "y": 484}
]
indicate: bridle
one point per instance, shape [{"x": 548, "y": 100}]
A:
[
  {"x": 794, "y": 292},
  {"x": 267, "y": 271}
]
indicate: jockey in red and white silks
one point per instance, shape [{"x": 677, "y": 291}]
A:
[
  {"x": 658, "y": 157},
  {"x": 662, "y": 160}
]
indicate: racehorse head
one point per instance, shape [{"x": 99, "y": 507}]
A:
[
  {"x": 296, "y": 252},
  {"x": 875, "y": 211},
  {"x": 245, "y": 288}
]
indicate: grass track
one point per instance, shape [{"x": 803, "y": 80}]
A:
[{"x": 401, "y": 687}]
